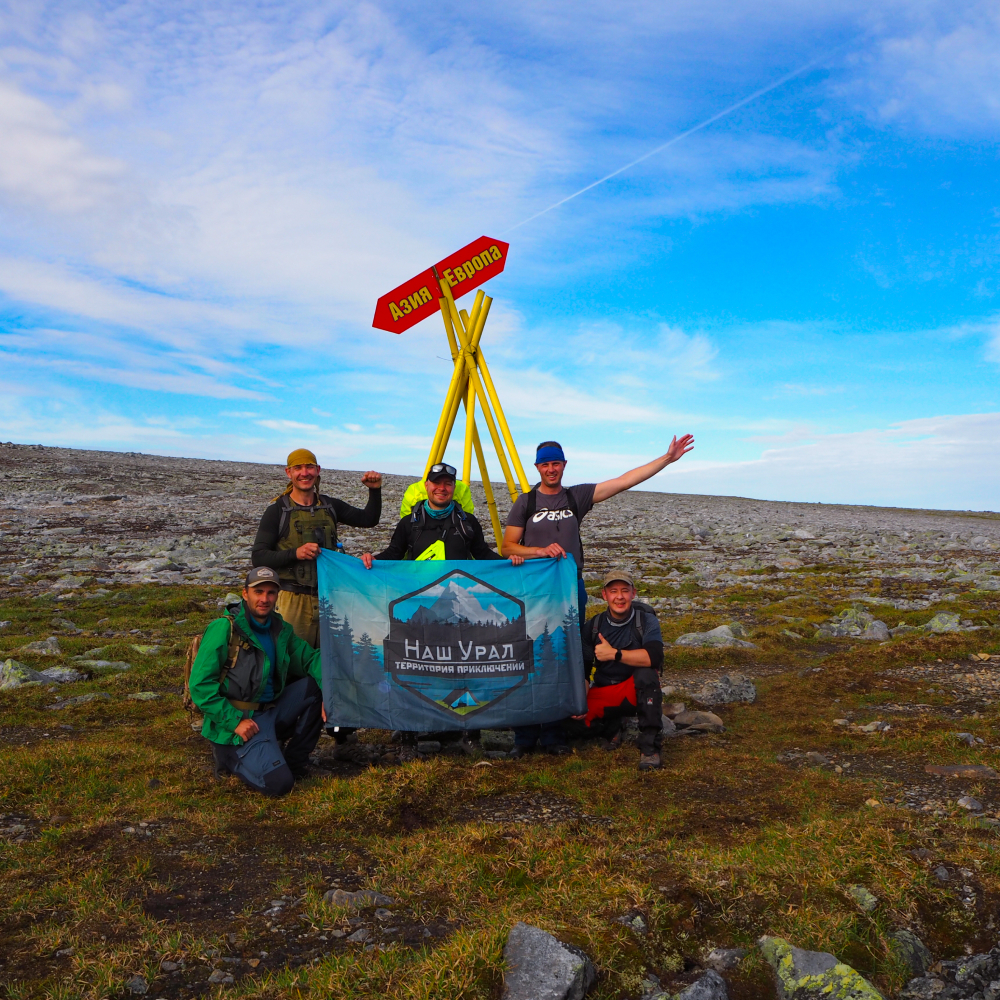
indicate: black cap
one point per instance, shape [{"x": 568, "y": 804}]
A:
[{"x": 441, "y": 471}]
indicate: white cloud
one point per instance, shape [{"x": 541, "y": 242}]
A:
[{"x": 44, "y": 163}]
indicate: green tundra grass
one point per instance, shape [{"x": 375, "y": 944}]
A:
[{"x": 122, "y": 852}]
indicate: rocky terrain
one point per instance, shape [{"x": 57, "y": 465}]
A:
[
  {"x": 831, "y": 774},
  {"x": 72, "y": 519}
]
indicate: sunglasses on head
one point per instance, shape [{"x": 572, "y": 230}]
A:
[{"x": 442, "y": 467}]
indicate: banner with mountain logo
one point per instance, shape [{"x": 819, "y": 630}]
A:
[{"x": 437, "y": 645}]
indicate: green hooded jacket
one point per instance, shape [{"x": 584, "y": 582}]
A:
[{"x": 296, "y": 659}]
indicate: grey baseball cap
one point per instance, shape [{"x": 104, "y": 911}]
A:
[{"x": 262, "y": 574}]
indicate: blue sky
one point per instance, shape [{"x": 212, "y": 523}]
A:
[{"x": 201, "y": 202}]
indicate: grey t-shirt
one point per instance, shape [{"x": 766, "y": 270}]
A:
[{"x": 553, "y": 520}]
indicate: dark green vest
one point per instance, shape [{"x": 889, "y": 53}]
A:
[{"x": 299, "y": 525}]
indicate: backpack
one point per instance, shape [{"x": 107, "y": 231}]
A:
[
  {"x": 192, "y": 651},
  {"x": 459, "y": 518},
  {"x": 638, "y": 622},
  {"x": 531, "y": 505}
]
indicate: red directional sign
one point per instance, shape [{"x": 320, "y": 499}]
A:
[{"x": 417, "y": 298}]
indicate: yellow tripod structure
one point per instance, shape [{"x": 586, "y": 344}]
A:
[{"x": 471, "y": 381}]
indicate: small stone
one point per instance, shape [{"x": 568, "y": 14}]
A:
[
  {"x": 144, "y": 696},
  {"x": 221, "y": 976},
  {"x": 722, "y": 959},
  {"x": 841, "y": 722},
  {"x": 383, "y": 914},
  {"x": 337, "y": 933},
  {"x": 360, "y": 935},
  {"x": 923, "y": 988},
  {"x": 704, "y": 722},
  {"x": 967, "y": 738},
  {"x": 968, "y": 802},
  {"x": 674, "y": 708},
  {"x": 229, "y": 599},
  {"x": 65, "y": 952},
  {"x": 817, "y": 759},
  {"x": 169, "y": 966},
  {"x": 634, "y": 922},
  {"x": 875, "y": 727},
  {"x": 865, "y": 900},
  {"x": 137, "y": 985},
  {"x": 941, "y": 874},
  {"x": 710, "y": 986},
  {"x": 147, "y": 650},
  {"x": 873, "y": 803},
  {"x": 428, "y": 746},
  {"x": 356, "y": 900}
]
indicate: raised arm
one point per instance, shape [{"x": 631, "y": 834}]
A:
[{"x": 610, "y": 487}]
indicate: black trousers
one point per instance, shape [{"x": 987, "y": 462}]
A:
[
  {"x": 289, "y": 731},
  {"x": 648, "y": 709}
]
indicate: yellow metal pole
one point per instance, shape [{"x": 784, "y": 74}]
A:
[
  {"x": 502, "y": 420},
  {"x": 491, "y": 502},
  {"x": 488, "y": 417},
  {"x": 452, "y": 414},
  {"x": 470, "y": 426},
  {"x": 454, "y": 389}
]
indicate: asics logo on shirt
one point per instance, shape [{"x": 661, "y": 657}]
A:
[{"x": 551, "y": 515}]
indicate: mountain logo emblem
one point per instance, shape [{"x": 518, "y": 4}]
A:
[{"x": 459, "y": 644}]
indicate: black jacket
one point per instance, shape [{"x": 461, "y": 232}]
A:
[{"x": 461, "y": 533}]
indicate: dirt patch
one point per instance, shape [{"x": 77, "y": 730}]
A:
[{"x": 527, "y": 809}]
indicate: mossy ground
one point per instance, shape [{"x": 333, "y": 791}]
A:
[{"x": 723, "y": 845}]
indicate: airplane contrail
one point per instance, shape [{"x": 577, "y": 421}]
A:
[{"x": 677, "y": 138}]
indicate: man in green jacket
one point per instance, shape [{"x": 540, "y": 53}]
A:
[{"x": 259, "y": 687}]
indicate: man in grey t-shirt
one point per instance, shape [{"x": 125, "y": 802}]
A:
[{"x": 546, "y": 523}]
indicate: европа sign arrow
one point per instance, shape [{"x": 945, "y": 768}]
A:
[{"x": 417, "y": 298}]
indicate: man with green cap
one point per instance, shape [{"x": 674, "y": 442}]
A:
[
  {"x": 259, "y": 687},
  {"x": 294, "y": 528}
]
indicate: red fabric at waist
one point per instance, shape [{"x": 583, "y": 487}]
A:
[{"x": 610, "y": 696}]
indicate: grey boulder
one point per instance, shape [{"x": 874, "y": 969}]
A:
[
  {"x": 538, "y": 966},
  {"x": 717, "y": 638},
  {"x": 43, "y": 647},
  {"x": 727, "y": 690},
  {"x": 944, "y": 621},
  {"x": 14, "y": 675},
  {"x": 698, "y": 722},
  {"x": 62, "y": 675}
]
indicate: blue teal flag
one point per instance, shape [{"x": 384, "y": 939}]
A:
[{"x": 449, "y": 644}]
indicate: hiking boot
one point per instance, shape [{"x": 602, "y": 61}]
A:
[
  {"x": 649, "y": 762},
  {"x": 519, "y": 751},
  {"x": 613, "y": 742}
]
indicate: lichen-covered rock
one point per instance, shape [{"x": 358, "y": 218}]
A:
[
  {"x": 43, "y": 647},
  {"x": 538, "y": 966},
  {"x": 727, "y": 690},
  {"x": 863, "y": 898},
  {"x": 912, "y": 951},
  {"x": 813, "y": 975},
  {"x": 717, "y": 638},
  {"x": 356, "y": 900},
  {"x": 14, "y": 675},
  {"x": 700, "y": 722},
  {"x": 62, "y": 675},
  {"x": 944, "y": 621}
]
